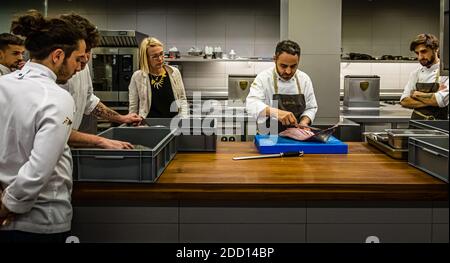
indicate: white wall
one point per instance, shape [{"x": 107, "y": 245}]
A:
[
  {"x": 250, "y": 27},
  {"x": 213, "y": 76},
  {"x": 393, "y": 76}
]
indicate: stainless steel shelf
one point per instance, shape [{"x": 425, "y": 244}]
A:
[
  {"x": 201, "y": 59},
  {"x": 378, "y": 61}
]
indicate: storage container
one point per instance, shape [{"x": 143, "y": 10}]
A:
[
  {"x": 440, "y": 125},
  {"x": 430, "y": 155},
  {"x": 195, "y": 134},
  {"x": 155, "y": 148}
]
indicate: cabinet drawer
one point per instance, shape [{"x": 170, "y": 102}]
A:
[
  {"x": 440, "y": 215},
  {"x": 362, "y": 233},
  {"x": 242, "y": 233},
  {"x": 126, "y": 233},
  {"x": 242, "y": 215},
  {"x": 440, "y": 233},
  {"x": 369, "y": 213},
  {"x": 117, "y": 214}
]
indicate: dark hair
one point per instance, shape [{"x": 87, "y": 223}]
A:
[
  {"x": 429, "y": 40},
  {"x": 44, "y": 35},
  {"x": 90, "y": 33},
  {"x": 289, "y": 47},
  {"x": 10, "y": 39}
]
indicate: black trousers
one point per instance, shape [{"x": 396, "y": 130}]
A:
[{"x": 15, "y": 236}]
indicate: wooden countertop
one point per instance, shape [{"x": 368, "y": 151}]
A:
[{"x": 363, "y": 174}]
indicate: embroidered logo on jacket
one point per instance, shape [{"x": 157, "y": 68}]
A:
[{"x": 67, "y": 121}]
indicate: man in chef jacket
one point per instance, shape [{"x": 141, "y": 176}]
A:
[
  {"x": 283, "y": 92},
  {"x": 35, "y": 122},
  {"x": 426, "y": 91},
  {"x": 81, "y": 88},
  {"x": 12, "y": 49}
]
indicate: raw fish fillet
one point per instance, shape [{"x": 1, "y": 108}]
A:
[{"x": 298, "y": 134}]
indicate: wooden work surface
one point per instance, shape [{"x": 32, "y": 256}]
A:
[{"x": 363, "y": 174}]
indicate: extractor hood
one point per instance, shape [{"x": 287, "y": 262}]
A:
[{"x": 121, "y": 38}]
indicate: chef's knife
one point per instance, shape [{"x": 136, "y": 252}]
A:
[{"x": 285, "y": 154}]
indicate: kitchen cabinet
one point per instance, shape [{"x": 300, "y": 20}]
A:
[
  {"x": 440, "y": 233},
  {"x": 364, "y": 196},
  {"x": 125, "y": 233},
  {"x": 126, "y": 223},
  {"x": 242, "y": 233},
  {"x": 369, "y": 233}
]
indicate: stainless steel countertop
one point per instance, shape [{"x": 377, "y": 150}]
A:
[{"x": 384, "y": 114}]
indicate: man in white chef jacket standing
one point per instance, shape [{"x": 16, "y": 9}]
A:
[
  {"x": 426, "y": 91},
  {"x": 283, "y": 92},
  {"x": 35, "y": 122}
]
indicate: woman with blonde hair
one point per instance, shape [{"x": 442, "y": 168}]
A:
[{"x": 156, "y": 90}]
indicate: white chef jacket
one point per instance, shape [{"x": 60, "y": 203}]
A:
[
  {"x": 262, "y": 90},
  {"x": 80, "y": 87},
  {"x": 4, "y": 70},
  {"x": 427, "y": 75},
  {"x": 35, "y": 160}
]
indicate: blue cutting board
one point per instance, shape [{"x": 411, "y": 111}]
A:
[{"x": 278, "y": 144}]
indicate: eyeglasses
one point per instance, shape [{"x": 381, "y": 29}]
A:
[{"x": 157, "y": 56}]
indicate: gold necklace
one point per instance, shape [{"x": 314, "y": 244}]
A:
[{"x": 157, "y": 81}]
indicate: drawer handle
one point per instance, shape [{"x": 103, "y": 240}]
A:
[
  {"x": 430, "y": 151},
  {"x": 106, "y": 157}
]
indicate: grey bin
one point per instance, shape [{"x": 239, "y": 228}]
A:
[
  {"x": 142, "y": 165},
  {"x": 430, "y": 155},
  {"x": 440, "y": 125},
  {"x": 195, "y": 134}
]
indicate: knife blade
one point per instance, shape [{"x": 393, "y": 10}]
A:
[{"x": 285, "y": 154}]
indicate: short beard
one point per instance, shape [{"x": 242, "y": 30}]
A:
[
  {"x": 430, "y": 62},
  {"x": 62, "y": 72}
]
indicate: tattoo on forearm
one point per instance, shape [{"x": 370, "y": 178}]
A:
[{"x": 102, "y": 111}]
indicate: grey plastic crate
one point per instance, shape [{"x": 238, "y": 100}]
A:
[
  {"x": 142, "y": 165},
  {"x": 430, "y": 155},
  {"x": 195, "y": 134},
  {"x": 440, "y": 125}
]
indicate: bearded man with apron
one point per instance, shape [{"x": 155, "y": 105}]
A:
[
  {"x": 426, "y": 93},
  {"x": 283, "y": 92}
]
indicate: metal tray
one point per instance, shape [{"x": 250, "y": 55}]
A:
[
  {"x": 398, "y": 138},
  {"x": 373, "y": 139}
]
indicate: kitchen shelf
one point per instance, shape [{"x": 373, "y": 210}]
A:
[
  {"x": 201, "y": 59},
  {"x": 379, "y": 61}
]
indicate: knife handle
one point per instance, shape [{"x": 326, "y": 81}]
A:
[{"x": 291, "y": 154}]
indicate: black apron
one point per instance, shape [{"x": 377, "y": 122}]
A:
[
  {"x": 430, "y": 112},
  {"x": 294, "y": 103}
]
